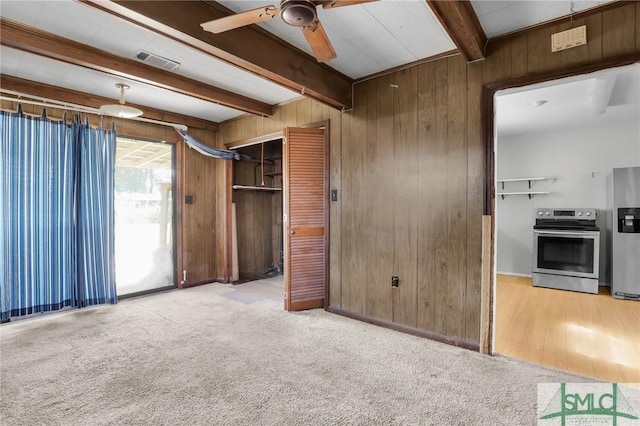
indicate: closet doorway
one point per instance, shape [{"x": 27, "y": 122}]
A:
[
  {"x": 278, "y": 222},
  {"x": 257, "y": 197}
]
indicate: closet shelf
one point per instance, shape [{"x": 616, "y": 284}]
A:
[
  {"x": 256, "y": 188},
  {"x": 257, "y": 161},
  {"x": 273, "y": 174}
]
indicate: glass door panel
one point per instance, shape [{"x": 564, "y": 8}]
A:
[{"x": 144, "y": 216}]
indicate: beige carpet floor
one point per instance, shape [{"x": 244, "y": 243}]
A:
[{"x": 207, "y": 356}]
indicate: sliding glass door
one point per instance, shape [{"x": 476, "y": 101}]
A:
[{"x": 144, "y": 216}]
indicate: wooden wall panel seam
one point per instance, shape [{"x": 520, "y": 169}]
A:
[
  {"x": 382, "y": 190},
  {"x": 335, "y": 229}
]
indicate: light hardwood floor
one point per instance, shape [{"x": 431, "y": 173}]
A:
[{"x": 593, "y": 335}]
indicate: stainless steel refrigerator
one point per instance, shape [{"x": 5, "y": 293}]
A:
[{"x": 623, "y": 233}]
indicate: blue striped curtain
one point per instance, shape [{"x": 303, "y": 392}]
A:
[
  {"x": 95, "y": 212},
  {"x": 37, "y": 198},
  {"x": 43, "y": 264}
]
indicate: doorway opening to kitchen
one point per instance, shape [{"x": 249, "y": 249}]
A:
[{"x": 556, "y": 143}]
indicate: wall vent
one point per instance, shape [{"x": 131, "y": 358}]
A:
[
  {"x": 157, "y": 61},
  {"x": 569, "y": 38}
]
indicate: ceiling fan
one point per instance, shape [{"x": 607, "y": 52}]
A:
[{"x": 297, "y": 13}]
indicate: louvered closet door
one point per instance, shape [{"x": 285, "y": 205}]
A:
[{"x": 304, "y": 218}]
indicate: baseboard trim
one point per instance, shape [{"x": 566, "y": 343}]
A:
[
  {"x": 197, "y": 283},
  {"x": 146, "y": 292},
  {"x": 514, "y": 274},
  {"x": 406, "y": 329}
]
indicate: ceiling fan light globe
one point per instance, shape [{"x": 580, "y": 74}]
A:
[
  {"x": 298, "y": 13},
  {"x": 121, "y": 111}
]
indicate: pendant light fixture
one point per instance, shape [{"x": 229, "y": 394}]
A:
[{"x": 120, "y": 109}]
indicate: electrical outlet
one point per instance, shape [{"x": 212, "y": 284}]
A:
[
  {"x": 334, "y": 195},
  {"x": 395, "y": 281}
]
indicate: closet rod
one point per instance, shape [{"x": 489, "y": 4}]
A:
[{"x": 46, "y": 102}]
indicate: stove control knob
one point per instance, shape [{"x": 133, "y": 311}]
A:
[
  {"x": 540, "y": 213},
  {"x": 579, "y": 213},
  {"x": 588, "y": 213},
  {"x": 548, "y": 213}
]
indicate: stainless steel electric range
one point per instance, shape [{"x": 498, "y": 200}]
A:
[{"x": 566, "y": 249}]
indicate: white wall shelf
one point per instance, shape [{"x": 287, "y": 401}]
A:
[
  {"x": 528, "y": 180},
  {"x": 529, "y": 193}
]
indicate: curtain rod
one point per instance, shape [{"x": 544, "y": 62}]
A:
[{"x": 40, "y": 101}]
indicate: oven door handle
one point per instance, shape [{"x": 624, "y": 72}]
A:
[{"x": 578, "y": 233}]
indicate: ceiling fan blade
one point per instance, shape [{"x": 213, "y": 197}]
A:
[
  {"x": 339, "y": 3},
  {"x": 319, "y": 42},
  {"x": 241, "y": 19}
]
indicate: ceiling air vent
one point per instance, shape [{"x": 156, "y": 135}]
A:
[{"x": 157, "y": 61}]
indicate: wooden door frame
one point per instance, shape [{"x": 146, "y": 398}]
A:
[
  {"x": 228, "y": 172},
  {"x": 487, "y": 106},
  {"x": 177, "y": 145}
]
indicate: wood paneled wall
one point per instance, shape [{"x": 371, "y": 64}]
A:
[
  {"x": 406, "y": 208},
  {"x": 204, "y": 179},
  {"x": 408, "y": 161}
]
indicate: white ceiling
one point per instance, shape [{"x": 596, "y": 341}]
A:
[
  {"x": 502, "y": 16},
  {"x": 368, "y": 38},
  {"x": 38, "y": 68},
  {"x": 568, "y": 103}
]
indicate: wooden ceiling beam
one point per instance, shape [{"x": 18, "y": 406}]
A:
[
  {"x": 62, "y": 94},
  {"x": 249, "y": 48},
  {"x": 461, "y": 23},
  {"x": 35, "y": 41}
]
